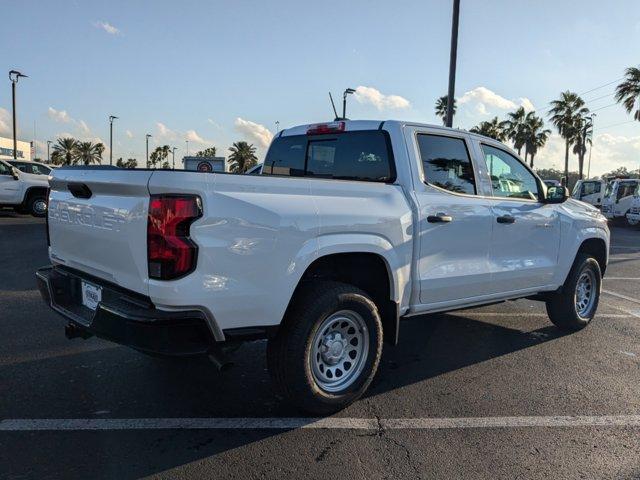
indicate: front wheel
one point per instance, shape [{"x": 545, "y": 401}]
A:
[
  {"x": 575, "y": 305},
  {"x": 328, "y": 349},
  {"x": 37, "y": 205}
]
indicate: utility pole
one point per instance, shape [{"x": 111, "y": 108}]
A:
[
  {"x": 277, "y": 126},
  {"x": 590, "y": 147},
  {"x": 452, "y": 62},
  {"x": 187, "y": 142},
  {"x": 49, "y": 142},
  {"x": 148, "y": 137},
  {"x": 173, "y": 156},
  {"x": 111, "y": 119},
  {"x": 14, "y": 75}
]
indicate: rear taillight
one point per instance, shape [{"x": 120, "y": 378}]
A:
[
  {"x": 324, "y": 128},
  {"x": 170, "y": 251}
]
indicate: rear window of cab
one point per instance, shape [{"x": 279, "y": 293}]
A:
[{"x": 360, "y": 155}]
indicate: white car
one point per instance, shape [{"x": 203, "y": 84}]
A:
[
  {"x": 589, "y": 191},
  {"x": 618, "y": 197},
  {"x": 25, "y": 166},
  {"x": 633, "y": 217},
  {"x": 24, "y": 192},
  {"x": 350, "y": 227}
]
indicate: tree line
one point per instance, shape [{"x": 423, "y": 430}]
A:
[
  {"x": 568, "y": 114},
  {"x": 69, "y": 151}
]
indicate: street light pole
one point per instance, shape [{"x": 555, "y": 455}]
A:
[
  {"x": 348, "y": 91},
  {"x": 148, "y": 136},
  {"x": 111, "y": 119},
  {"x": 277, "y": 126},
  {"x": 452, "y": 62},
  {"x": 173, "y": 156},
  {"x": 49, "y": 142},
  {"x": 14, "y": 75},
  {"x": 187, "y": 142}
]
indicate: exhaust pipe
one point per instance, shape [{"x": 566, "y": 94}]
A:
[{"x": 220, "y": 359}]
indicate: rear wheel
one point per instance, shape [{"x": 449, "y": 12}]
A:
[
  {"x": 575, "y": 305},
  {"x": 328, "y": 349}
]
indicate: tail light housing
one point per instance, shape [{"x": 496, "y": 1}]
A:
[
  {"x": 326, "y": 128},
  {"x": 171, "y": 253}
]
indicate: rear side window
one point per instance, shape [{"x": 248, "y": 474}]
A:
[
  {"x": 360, "y": 155},
  {"x": 446, "y": 163}
]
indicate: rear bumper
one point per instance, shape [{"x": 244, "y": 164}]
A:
[{"x": 125, "y": 317}]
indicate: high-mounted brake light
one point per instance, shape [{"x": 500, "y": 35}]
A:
[
  {"x": 323, "y": 128},
  {"x": 171, "y": 253}
]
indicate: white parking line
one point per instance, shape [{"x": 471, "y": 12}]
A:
[
  {"x": 619, "y": 295},
  {"x": 622, "y": 278},
  {"x": 529, "y": 314},
  {"x": 84, "y": 424}
]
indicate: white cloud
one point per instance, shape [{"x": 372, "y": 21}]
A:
[
  {"x": 129, "y": 134},
  {"x": 5, "y": 122},
  {"x": 164, "y": 132},
  {"x": 193, "y": 136},
  {"x": 379, "y": 100},
  {"x": 84, "y": 128},
  {"x": 254, "y": 131},
  {"x": 107, "y": 27},
  {"x": 60, "y": 116},
  {"x": 482, "y": 97},
  {"x": 215, "y": 124}
]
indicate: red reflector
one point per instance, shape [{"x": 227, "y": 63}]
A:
[
  {"x": 170, "y": 251},
  {"x": 321, "y": 128}
]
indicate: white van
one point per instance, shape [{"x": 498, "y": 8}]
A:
[
  {"x": 589, "y": 191},
  {"x": 618, "y": 197}
]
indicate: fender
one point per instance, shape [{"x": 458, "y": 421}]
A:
[{"x": 570, "y": 244}]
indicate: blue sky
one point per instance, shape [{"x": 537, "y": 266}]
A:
[{"x": 217, "y": 72}]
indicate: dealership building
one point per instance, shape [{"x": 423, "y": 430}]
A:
[{"x": 6, "y": 149}]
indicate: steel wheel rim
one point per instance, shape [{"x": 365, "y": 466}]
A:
[
  {"x": 585, "y": 294},
  {"x": 339, "y": 351},
  {"x": 40, "y": 206}
]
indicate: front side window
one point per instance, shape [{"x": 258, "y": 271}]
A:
[
  {"x": 446, "y": 163},
  {"x": 4, "y": 169},
  {"x": 509, "y": 177}
]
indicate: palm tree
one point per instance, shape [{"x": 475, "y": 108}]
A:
[
  {"x": 64, "y": 151},
  {"x": 441, "y": 108},
  {"x": 628, "y": 92},
  {"x": 515, "y": 128},
  {"x": 493, "y": 128},
  {"x": 159, "y": 155},
  {"x": 535, "y": 135},
  {"x": 583, "y": 137},
  {"x": 242, "y": 158},
  {"x": 564, "y": 112},
  {"x": 88, "y": 153}
]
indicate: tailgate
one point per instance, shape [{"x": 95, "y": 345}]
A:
[{"x": 98, "y": 224}]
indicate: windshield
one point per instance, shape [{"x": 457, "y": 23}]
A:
[{"x": 608, "y": 190}]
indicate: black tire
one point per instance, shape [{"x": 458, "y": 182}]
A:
[
  {"x": 561, "y": 306},
  {"x": 34, "y": 205},
  {"x": 289, "y": 354}
]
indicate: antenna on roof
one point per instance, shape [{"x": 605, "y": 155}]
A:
[{"x": 334, "y": 107}]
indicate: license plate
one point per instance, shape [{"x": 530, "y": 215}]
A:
[{"x": 91, "y": 295}]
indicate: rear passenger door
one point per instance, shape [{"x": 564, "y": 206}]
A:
[{"x": 454, "y": 220}]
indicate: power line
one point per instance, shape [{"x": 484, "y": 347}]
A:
[
  {"x": 606, "y": 106},
  {"x": 600, "y": 98},
  {"x": 602, "y": 86},
  {"x": 614, "y": 125}
]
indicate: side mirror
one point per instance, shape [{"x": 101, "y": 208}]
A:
[
  {"x": 557, "y": 195},
  {"x": 15, "y": 173}
]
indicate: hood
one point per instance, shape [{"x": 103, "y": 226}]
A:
[
  {"x": 582, "y": 210},
  {"x": 32, "y": 179}
]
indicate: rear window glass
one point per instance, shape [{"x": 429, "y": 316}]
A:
[{"x": 362, "y": 155}]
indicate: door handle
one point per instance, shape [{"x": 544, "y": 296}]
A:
[
  {"x": 439, "y": 218},
  {"x": 506, "y": 219}
]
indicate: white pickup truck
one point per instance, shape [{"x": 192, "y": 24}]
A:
[
  {"x": 350, "y": 227},
  {"x": 22, "y": 191}
]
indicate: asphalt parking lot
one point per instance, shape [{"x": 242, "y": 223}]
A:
[{"x": 494, "y": 392}]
